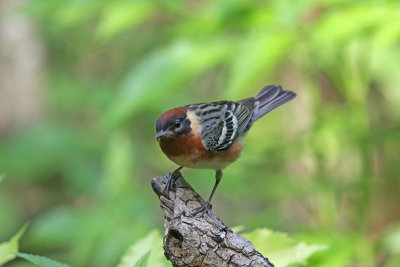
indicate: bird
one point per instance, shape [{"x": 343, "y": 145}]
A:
[{"x": 210, "y": 135}]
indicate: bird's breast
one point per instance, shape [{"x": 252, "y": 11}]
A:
[{"x": 188, "y": 151}]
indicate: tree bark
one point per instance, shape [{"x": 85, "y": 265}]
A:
[{"x": 202, "y": 239}]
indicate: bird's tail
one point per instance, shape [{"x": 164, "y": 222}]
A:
[{"x": 268, "y": 99}]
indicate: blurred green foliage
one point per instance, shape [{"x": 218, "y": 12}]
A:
[{"x": 324, "y": 167}]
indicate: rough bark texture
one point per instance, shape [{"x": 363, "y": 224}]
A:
[{"x": 203, "y": 239}]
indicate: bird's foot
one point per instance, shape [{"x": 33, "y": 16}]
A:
[
  {"x": 171, "y": 180},
  {"x": 206, "y": 207}
]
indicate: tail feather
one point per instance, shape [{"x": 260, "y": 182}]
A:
[{"x": 269, "y": 98}]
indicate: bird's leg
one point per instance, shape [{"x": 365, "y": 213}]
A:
[
  {"x": 206, "y": 206},
  {"x": 171, "y": 179}
]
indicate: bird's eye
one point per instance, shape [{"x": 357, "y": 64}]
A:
[{"x": 177, "y": 124}]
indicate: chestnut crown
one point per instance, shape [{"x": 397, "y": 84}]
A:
[{"x": 173, "y": 123}]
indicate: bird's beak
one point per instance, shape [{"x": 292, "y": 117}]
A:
[{"x": 161, "y": 133}]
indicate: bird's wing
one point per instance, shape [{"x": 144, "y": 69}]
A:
[{"x": 222, "y": 122}]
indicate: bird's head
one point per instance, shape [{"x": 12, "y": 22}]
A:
[{"x": 173, "y": 123}]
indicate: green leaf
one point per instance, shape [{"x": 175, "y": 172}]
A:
[
  {"x": 74, "y": 13},
  {"x": 1, "y": 177},
  {"x": 40, "y": 260},
  {"x": 145, "y": 252},
  {"x": 142, "y": 262},
  {"x": 344, "y": 24},
  {"x": 121, "y": 16},
  {"x": 258, "y": 56},
  {"x": 389, "y": 32},
  {"x": 237, "y": 229},
  {"x": 7, "y": 249},
  {"x": 391, "y": 241},
  {"x": 280, "y": 249},
  {"x": 118, "y": 164},
  {"x": 162, "y": 73}
]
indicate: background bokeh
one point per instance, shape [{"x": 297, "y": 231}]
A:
[{"x": 83, "y": 82}]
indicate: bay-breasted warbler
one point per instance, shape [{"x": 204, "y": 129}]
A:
[{"x": 210, "y": 135}]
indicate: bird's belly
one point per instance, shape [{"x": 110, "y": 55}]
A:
[
  {"x": 188, "y": 151},
  {"x": 202, "y": 159},
  {"x": 214, "y": 164}
]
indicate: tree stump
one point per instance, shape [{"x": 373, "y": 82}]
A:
[{"x": 202, "y": 239}]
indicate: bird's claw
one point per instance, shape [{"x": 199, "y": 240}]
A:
[
  {"x": 170, "y": 181},
  {"x": 206, "y": 207}
]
